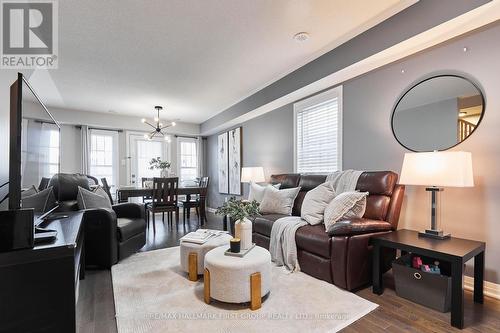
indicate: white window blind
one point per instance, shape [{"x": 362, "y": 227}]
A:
[{"x": 318, "y": 133}]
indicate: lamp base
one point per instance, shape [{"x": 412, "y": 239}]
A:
[{"x": 436, "y": 234}]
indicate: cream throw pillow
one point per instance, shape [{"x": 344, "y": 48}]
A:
[
  {"x": 278, "y": 201},
  {"x": 315, "y": 202},
  {"x": 346, "y": 205},
  {"x": 257, "y": 191}
]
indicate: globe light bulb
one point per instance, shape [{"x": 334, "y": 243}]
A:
[
  {"x": 143, "y": 120},
  {"x": 173, "y": 123},
  {"x": 146, "y": 136},
  {"x": 157, "y": 119}
]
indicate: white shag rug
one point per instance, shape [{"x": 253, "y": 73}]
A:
[{"x": 152, "y": 294}]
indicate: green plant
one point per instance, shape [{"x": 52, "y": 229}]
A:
[
  {"x": 239, "y": 209},
  {"x": 157, "y": 163}
]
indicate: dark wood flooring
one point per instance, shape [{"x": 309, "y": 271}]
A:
[{"x": 95, "y": 310}]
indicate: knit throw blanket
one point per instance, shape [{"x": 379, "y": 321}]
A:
[
  {"x": 344, "y": 181},
  {"x": 282, "y": 245}
]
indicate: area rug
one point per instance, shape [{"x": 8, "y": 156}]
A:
[{"x": 152, "y": 294}]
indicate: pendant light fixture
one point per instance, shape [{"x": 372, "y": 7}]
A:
[{"x": 158, "y": 126}]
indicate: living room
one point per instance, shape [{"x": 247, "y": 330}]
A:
[{"x": 241, "y": 166}]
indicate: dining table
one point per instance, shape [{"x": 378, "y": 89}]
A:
[{"x": 123, "y": 193}]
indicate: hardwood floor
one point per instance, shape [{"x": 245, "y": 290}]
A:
[{"x": 95, "y": 310}]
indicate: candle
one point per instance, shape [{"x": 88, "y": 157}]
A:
[{"x": 235, "y": 245}]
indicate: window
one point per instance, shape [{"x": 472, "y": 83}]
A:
[
  {"x": 188, "y": 159},
  {"x": 49, "y": 150},
  {"x": 146, "y": 150},
  {"x": 318, "y": 133},
  {"x": 104, "y": 155}
]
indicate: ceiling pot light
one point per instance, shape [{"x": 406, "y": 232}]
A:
[{"x": 301, "y": 36}]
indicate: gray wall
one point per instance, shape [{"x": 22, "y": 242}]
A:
[
  {"x": 368, "y": 142},
  {"x": 267, "y": 141},
  {"x": 418, "y": 18},
  {"x": 428, "y": 127}
]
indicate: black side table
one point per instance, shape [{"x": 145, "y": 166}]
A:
[{"x": 456, "y": 251}]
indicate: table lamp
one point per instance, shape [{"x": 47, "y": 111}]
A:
[
  {"x": 437, "y": 170},
  {"x": 252, "y": 174}
]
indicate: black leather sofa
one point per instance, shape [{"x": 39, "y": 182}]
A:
[{"x": 110, "y": 235}]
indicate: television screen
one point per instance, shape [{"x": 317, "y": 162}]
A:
[
  {"x": 39, "y": 141},
  {"x": 34, "y": 142}
]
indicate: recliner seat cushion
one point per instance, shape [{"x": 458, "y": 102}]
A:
[
  {"x": 129, "y": 227},
  {"x": 263, "y": 224},
  {"x": 314, "y": 239}
]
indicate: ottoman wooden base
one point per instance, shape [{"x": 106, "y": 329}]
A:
[{"x": 255, "y": 287}]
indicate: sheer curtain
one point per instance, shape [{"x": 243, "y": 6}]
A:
[
  {"x": 201, "y": 155},
  {"x": 85, "y": 150}
]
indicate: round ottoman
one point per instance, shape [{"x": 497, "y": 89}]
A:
[
  {"x": 192, "y": 254},
  {"x": 238, "y": 280}
]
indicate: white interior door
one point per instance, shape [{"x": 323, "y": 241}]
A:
[{"x": 141, "y": 152}]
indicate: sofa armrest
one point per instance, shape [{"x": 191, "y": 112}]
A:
[
  {"x": 129, "y": 209},
  {"x": 101, "y": 240},
  {"x": 359, "y": 226}
]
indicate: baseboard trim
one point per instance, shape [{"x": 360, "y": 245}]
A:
[{"x": 490, "y": 289}]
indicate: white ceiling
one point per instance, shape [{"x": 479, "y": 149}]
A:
[{"x": 194, "y": 57}]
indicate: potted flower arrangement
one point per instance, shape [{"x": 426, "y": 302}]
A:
[
  {"x": 241, "y": 211},
  {"x": 157, "y": 163}
]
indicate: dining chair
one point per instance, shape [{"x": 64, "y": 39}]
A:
[
  {"x": 146, "y": 198},
  {"x": 198, "y": 202},
  {"x": 44, "y": 183},
  {"x": 165, "y": 192},
  {"x": 107, "y": 189}
]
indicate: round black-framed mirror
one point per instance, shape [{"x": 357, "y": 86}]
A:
[{"x": 437, "y": 113}]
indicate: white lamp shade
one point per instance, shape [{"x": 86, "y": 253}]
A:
[
  {"x": 252, "y": 174},
  {"x": 441, "y": 169}
]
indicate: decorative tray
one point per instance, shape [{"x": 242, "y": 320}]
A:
[{"x": 240, "y": 254}]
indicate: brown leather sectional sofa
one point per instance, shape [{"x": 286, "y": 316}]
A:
[{"x": 342, "y": 257}]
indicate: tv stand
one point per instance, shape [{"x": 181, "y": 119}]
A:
[
  {"x": 41, "y": 284},
  {"x": 44, "y": 235}
]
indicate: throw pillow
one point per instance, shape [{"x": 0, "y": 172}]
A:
[
  {"x": 257, "y": 191},
  {"x": 278, "y": 201},
  {"x": 92, "y": 199},
  {"x": 315, "y": 202},
  {"x": 29, "y": 192},
  {"x": 41, "y": 202},
  {"x": 346, "y": 205}
]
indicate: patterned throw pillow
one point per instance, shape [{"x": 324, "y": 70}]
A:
[
  {"x": 41, "y": 202},
  {"x": 315, "y": 202},
  {"x": 257, "y": 191},
  {"x": 278, "y": 201},
  {"x": 92, "y": 199},
  {"x": 346, "y": 205}
]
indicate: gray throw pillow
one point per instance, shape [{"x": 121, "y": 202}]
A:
[
  {"x": 257, "y": 191},
  {"x": 29, "y": 192},
  {"x": 92, "y": 199},
  {"x": 346, "y": 205},
  {"x": 41, "y": 202},
  {"x": 315, "y": 202},
  {"x": 278, "y": 201}
]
